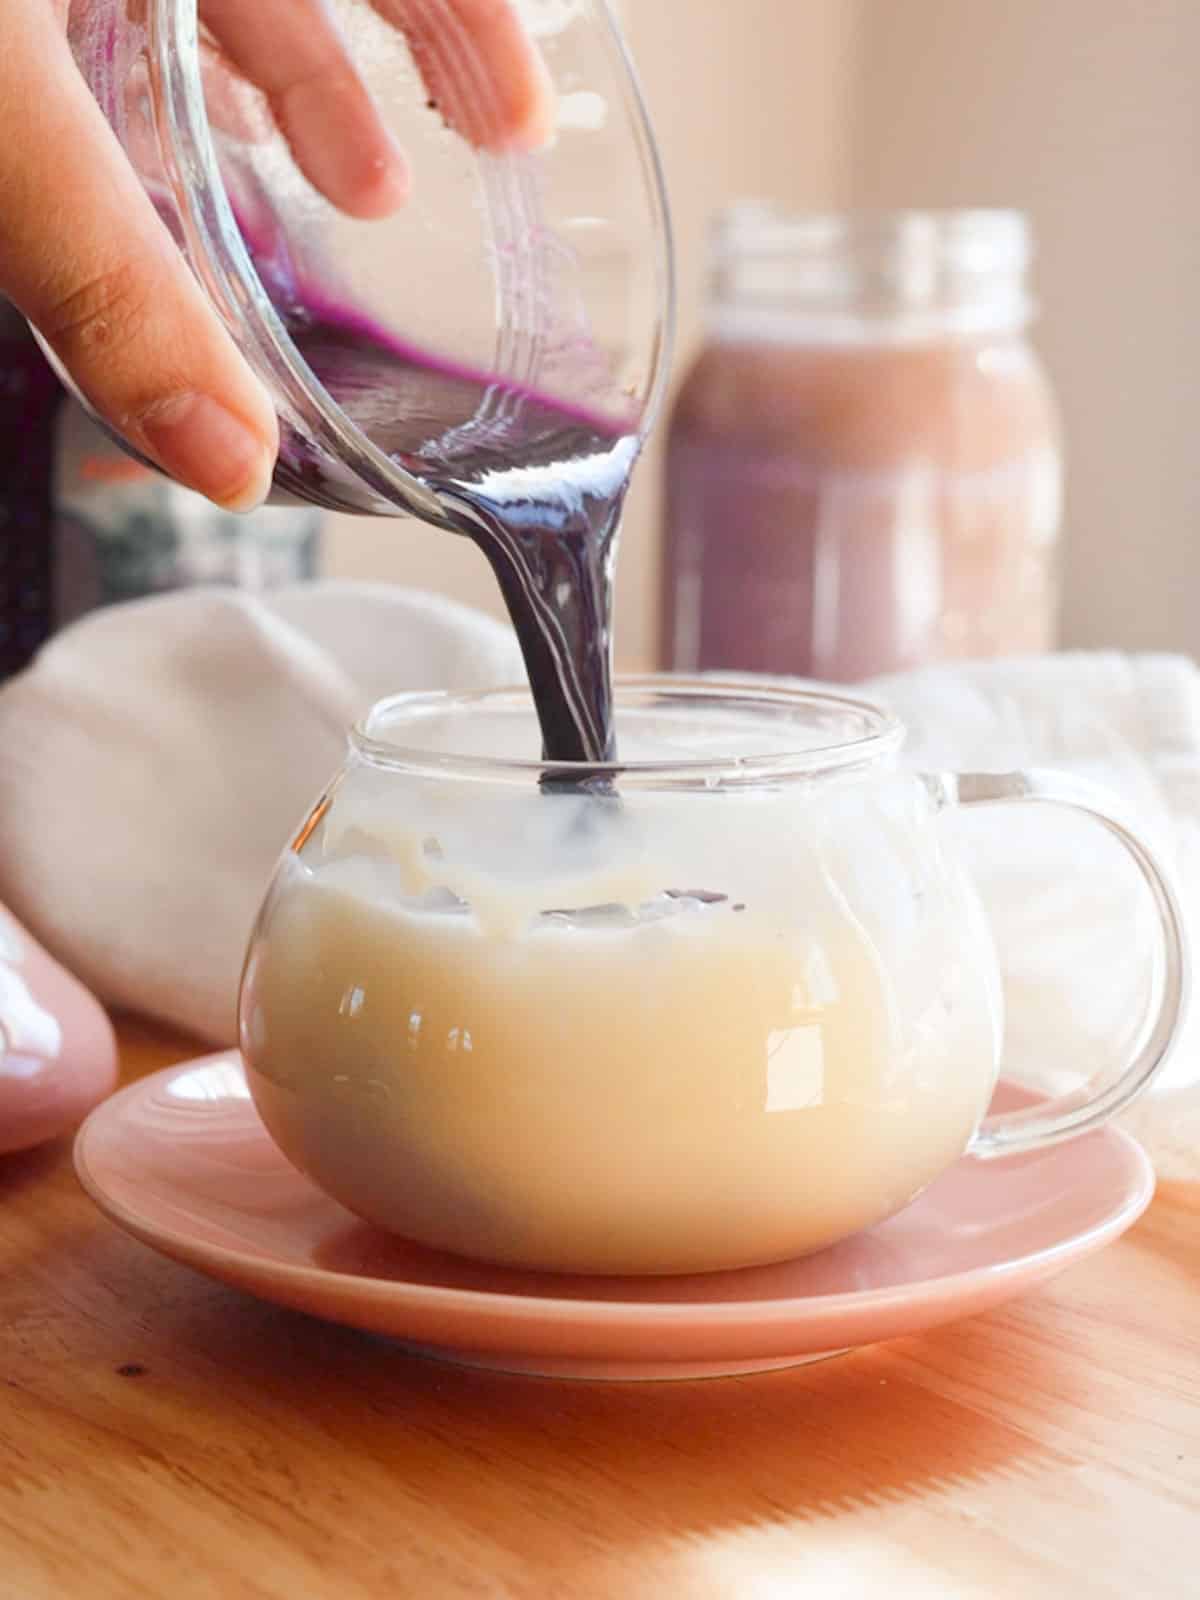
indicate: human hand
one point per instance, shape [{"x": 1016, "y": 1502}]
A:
[{"x": 85, "y": 256}]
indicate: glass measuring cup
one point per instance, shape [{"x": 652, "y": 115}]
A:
[{"x": 513, "y": 297}]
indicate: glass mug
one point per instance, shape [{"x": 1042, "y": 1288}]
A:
[{"x": 725, "y": 1003}]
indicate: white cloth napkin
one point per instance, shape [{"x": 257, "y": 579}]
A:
[
  {"x": 158, "y": 755},
  {"x": 1073, "y": 926}
]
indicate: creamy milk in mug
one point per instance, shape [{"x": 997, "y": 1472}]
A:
[{"x": 724, "y": 1003}]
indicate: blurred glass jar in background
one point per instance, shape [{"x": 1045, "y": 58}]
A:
[{"x": 864, "y": 463}]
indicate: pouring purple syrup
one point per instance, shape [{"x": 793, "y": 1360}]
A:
[{"x": 536, "y": 483}]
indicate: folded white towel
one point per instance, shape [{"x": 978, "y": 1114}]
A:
[{"x": 158, "y": 755}]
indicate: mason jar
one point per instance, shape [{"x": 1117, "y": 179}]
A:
[{"x": 864, "y": 468}]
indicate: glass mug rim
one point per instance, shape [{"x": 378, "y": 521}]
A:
[{"x": 373, "y": 738}]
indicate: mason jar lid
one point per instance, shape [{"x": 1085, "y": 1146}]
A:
[{"x": 833, "y": 277}]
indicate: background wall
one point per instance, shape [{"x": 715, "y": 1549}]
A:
[
  {"x": 1083, "y": 111},
  {"x": 1087, "y": 113}
]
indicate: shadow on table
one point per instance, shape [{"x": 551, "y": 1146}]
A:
[{"x": 21, "y": 1169}]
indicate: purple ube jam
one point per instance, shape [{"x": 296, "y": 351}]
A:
[{"x": 536, "y": 483}]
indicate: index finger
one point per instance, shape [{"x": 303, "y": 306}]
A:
[{"x": 294, "y": 52}]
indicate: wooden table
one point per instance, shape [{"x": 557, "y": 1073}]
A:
[{"x": 162, "y": 1436}]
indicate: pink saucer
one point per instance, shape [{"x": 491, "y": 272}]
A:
[{"x": 182, "y": 1161}]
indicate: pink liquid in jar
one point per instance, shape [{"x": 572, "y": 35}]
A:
[{"x": 864, "y": 470}]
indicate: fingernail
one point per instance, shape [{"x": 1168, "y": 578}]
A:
[{"x": 210, "y": 450}]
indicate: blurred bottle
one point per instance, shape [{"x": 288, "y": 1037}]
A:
[
  {"x": 83, "y": 525},
  {"x": 864, "y": 466},
  {"x": 30, "y": 398},
  {"x": 123, "y": 530}
]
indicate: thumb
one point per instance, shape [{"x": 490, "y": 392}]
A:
[{"x": 85, "y": 257}]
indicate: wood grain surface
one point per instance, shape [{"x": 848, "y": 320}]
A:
[{"x": 163, "y": 1436}]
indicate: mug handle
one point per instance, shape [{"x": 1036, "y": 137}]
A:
[{"x": 1081, "y": 1110}]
